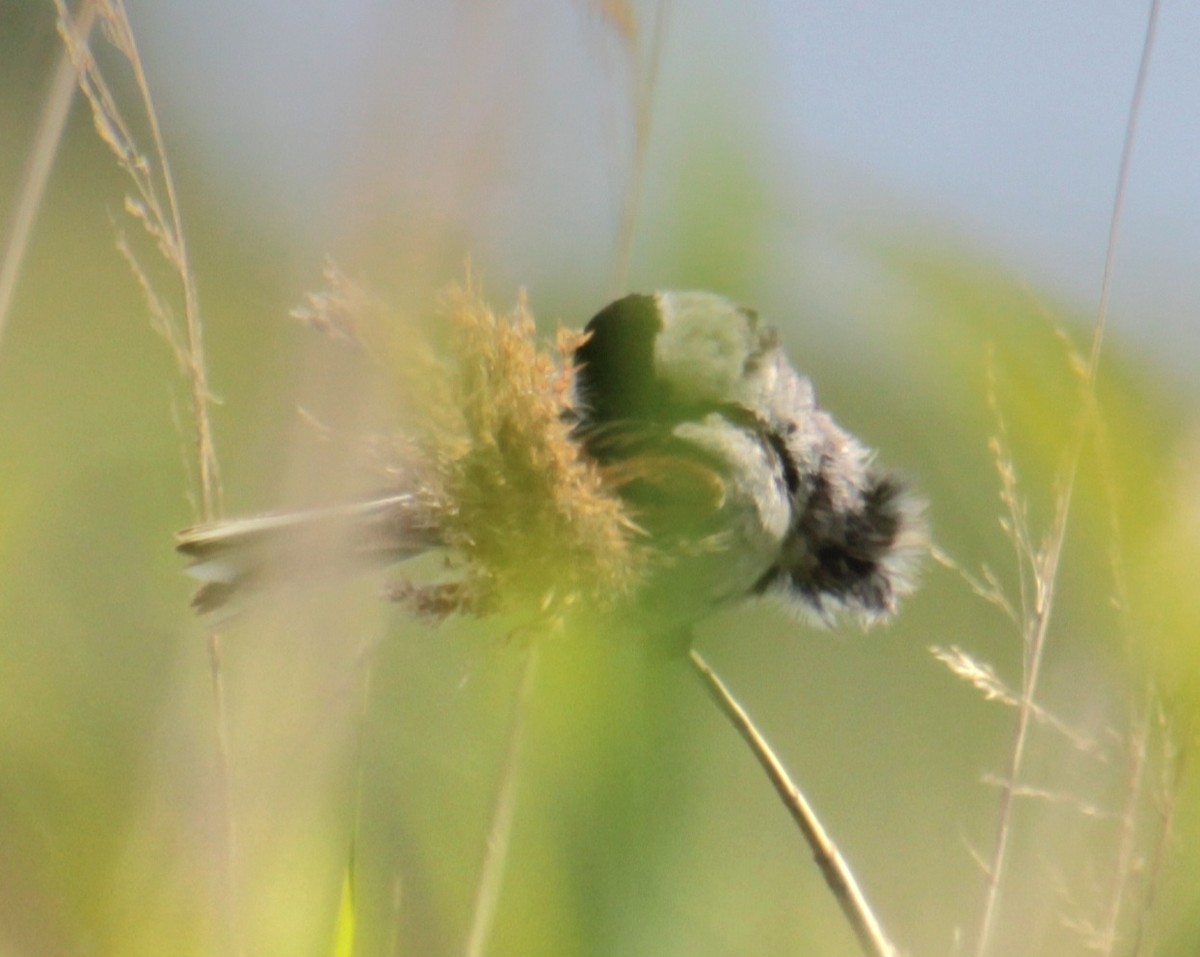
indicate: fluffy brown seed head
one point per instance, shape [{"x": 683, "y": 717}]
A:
[{"x": 528, "y": 511}]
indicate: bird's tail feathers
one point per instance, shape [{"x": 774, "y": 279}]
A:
[{"x": 228, "y": 557}]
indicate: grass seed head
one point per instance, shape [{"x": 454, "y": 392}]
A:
[{"x": 529, "y": 514}]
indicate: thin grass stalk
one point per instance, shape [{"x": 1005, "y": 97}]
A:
[
  {"x": 1035, "y": 644},
  {"x": 1126, "y": 865},
  {"x": 1123, "y": 175},
  {"x": 1168, "y": 808},
  {"x": 166, "y": 225},
  {"x": 225, "y": 780},
  {"x": 645, "y": 82},
  {"x": 1127, "y": 847},
  {"x": 210, "y": 487},
  {"x": 345, "y": 928},
  {"x": 495, "y": 858},
  {"x": 206, "y": 455},
  {"x": 1047, "y": 566},
  {"x": 46, "y": 142},
  {"x": 838, "y": 876}
]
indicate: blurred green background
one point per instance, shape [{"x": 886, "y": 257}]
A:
[{"x": 643, "y": 826}]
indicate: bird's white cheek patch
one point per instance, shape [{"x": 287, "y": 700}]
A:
[{"x": 703, "y": 347}]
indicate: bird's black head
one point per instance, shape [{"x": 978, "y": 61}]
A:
[{"x": 617, "y": 378}]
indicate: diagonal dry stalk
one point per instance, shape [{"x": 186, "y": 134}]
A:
[
  {"x": 491, "y": 875},
  {"x": 1176, "y": 759},
  {"x": 154, "y": 205},
  {"x": 982, "y": 676},
  {"x": 644, "y": 78},
  {"x": 41, "y": 160},
  {"x": 866, "y": 926},
  {"x": 1140, "y": 738},
  {"x": 1044, "y": 562}
]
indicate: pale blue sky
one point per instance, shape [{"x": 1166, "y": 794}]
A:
[{"x": 996, "y": 125}]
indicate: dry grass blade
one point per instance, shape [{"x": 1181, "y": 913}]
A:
[
  {"x": 1045, "y": 565},
  {"x": 983, "y": 677},
  {"x": 41, "y": 160},
  {"x": 866, "y": 926},
  {"x": 1015, "y": 520},
  {"x": 986, "y": 587},
  {"x": 1170, "y": 792},
  {"x": 1050, "y": 796},
  {"x": 336, "y": 311},
  {"x": 645, "y": 81},
  {"x": 491, "y": 876},
  {"x": 155, "y": 207},
  {"x": 1106, "y": 936},
  {"x": 162, "y": 319}
]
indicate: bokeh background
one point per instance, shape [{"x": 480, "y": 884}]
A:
[{"x": 918, "y": 197}]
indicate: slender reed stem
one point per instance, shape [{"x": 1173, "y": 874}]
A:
[
  {"x": 206, "y": 454},
  {"x": 645, "y": 80},
  {"x": 1047, "y": 564},
  {"x": 1037, "y": 630},
  {"x": 491, "y": 877},
  {"x": 1123, "y": 175},
  {"x": 41, "y": 160},
  {"x": 1168, "y": 808},
  {"x": 866, "y": 926},
  {"x": 1140, "y": 742},
  {"x": 164, "y": 223}
]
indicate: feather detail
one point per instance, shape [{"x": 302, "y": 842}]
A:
[{"x": 228, "y": 556}]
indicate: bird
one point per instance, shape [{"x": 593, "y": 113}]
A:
[{"x": 739, "y": 481}]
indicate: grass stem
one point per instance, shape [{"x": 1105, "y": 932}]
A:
[
  {"x": 1045, "y": 563},
  {"x": 41, "y": 160},
  {"x": 495, "y": 859},
  {"x": 866, "y": 926}
]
